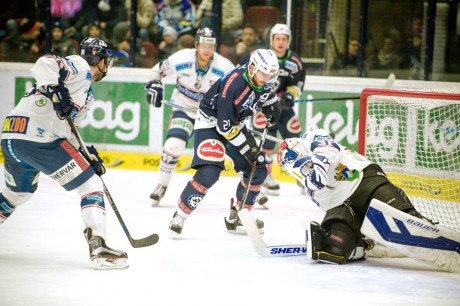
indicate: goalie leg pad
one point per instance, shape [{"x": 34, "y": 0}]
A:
[{"x": 414, "y": 237}]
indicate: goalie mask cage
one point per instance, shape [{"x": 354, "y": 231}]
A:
[{"x": 415, "y": 137}]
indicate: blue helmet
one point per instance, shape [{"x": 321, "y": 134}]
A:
[{"x": 95, "y": 49}]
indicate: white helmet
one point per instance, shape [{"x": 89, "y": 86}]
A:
[
  {"x": 280, "y": 28},
  {"x": 264, "y": 60}
]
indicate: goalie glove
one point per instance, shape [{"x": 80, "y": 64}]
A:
[
  {"x": 60, "y": 96},
  {"x": 154, "y": 92}
]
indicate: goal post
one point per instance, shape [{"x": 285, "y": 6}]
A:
[{"x": 414, "y": 136}]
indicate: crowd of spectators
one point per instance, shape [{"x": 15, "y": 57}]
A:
[{"x": 162, "y": 28}]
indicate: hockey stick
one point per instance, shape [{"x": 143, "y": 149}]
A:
[
  {"x": 275, "y": 139},
  {"x": 388, "y": 84},
  {"x": 135, "y": 243}
]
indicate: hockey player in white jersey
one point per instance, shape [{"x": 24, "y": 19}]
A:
[
  {"x": 197, "y": 70},
  {"x": 359, "y": 199},
  {"x": 36, "y": 138}
]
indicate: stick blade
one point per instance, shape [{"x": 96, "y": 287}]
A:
[{"x": 144, "y": 242}]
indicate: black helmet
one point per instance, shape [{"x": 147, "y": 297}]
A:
[
  {"x": 95, "y": 49},
  {"x": 205, "y": 36}
]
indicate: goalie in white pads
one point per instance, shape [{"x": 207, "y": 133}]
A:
[
  {"x": 36, "y": 138},
  {"x": 345, "y": 184}
]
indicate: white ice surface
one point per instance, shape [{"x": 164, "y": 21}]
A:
[{"x": 44, "y": 258}]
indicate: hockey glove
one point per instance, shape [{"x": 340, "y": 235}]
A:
[
  {"x": 251, "y": 152},
  {"x": 272, "y": 112},
  {"x": 96, "y": 161},
  {"x": 60, "y": 96},
  {"x": 287, "y": 101},
  {"x": 154, "y": 92}
]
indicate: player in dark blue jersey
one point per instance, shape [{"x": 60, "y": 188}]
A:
[
  {"x": 220, "y": 130},
  {"x": 288, "y": 87}
]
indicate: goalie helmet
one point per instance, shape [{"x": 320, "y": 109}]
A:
[
  {"x": 95, "y": 49},
  {"x": 264, "y": 60},
  {"x": 281, "y": 29},
  {"x": 205, "y": 36}
]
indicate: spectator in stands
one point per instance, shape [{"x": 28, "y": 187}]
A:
[
  {"x": 169, "y": 43},
  {"x": 232, "y": 16},
  {"x": 145, "y": 19},
  {"x": 185, "y": 41},
  {"x": 121, "y": 45},
  {"x": 107, "y": 13},
  {"x": 412, "y": 48},
  {"x": 178, "y": 14},
  {"x": 388, "y": 57},
  {"x": 248, "y": 42},
  {"x": 94, "y": 30},
  {"x": 24, "y": 46},
  {"x": 348, "y": 60},
  {"x": 60, "y": 44}
]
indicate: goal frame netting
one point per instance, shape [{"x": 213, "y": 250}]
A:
[{"x": 393, "y": 125}]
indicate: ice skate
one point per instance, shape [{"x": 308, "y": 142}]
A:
[
  {"x": 270, "y": 186},
  {"x": 176, "y": 225},
  {"x": 104, "y": 257},
  {"x": 262, "y": 200},
  {"x": 157, "y": 194},
  {"x": 234, "y": 225}
]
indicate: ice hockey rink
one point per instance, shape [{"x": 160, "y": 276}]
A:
[{"x": 44, "y": 257}]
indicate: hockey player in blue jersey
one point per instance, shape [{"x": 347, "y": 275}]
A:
[
  {"x": 288, "y": 88},
  {"x": 220, "y": 130}
]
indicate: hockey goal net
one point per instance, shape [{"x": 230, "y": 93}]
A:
[{"x": 415, "y": 137}]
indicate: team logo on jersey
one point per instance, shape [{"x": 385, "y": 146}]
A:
[
  {"x": 40, "y": 102},
  {"x": 211, "y": 150},
  {"x": 15, "y": 124}
]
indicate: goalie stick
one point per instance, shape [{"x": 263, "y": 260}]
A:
[
  {"x": 259, "y": 244},
  {"x": 135, "y": 243}
]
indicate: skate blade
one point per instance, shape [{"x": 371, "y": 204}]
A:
[
  {"x": 173, "y": 235},
  {"x": 242, "y": 231},
  {"x": 155, "y": 203},
  {"x": 105, "y": 264}
]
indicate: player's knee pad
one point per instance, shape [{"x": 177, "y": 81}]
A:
[
  {"x": 207, "y": 175},
  {"x": 340, "y": 240},
  {"x": 172, "y": 149},
  {"x": 344, "y": 214},
  {"x": 181, "y": 126},
  {"x": 16, "y": 198},
  {"x": 92, "y": 185}
]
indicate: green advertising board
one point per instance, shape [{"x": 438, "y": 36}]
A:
[{"x": 120, "y": 115}]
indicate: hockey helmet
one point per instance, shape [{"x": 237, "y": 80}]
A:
[
  {"x": 95, "y": 49},
  {"x": 281, "y": 29},
  {"x": 265, "y": 61},
  {"x": 205, "y": 36}
]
